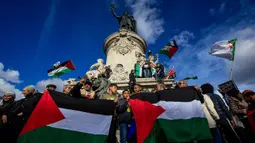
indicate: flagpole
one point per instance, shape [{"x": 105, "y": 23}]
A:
[{"x": 231, "y": 70}]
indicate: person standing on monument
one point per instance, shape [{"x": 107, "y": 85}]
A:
[{"x": 146, "y": 70}]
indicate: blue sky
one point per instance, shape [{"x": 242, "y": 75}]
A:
[{"x": 36, "y": 34}]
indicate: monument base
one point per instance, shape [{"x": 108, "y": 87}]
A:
[{"x": 148, "y": 84}]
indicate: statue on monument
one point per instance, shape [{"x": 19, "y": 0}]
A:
[
  {"x": 126, "y": 21},
  {"x": 100, "y": 85},
  {"x": 99, "y": 69}
]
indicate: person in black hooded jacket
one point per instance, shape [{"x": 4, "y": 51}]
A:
[
  {"x": 8, "y": 99},
  {"x": 16, "y": 115}
]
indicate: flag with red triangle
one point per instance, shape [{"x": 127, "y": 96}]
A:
[
  {"x": 170, "y": 49},
  {"x": 58, "y": 118},
  {"x": 171, "y": 73},
  {"x": 61, "y": 68},
  {"x": 145, "y": 114},
  {"x": 169, "y": 116}
]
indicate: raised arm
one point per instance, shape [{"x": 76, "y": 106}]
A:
[
  {"x": 113, "y": 12},
  {"x": 93, "y": 66}
]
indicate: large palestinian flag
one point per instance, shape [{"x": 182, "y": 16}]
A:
[
  {"x": 61, "y": 69},
  {"x": 60, "y": 119},
  {"x": 169, "y": 116}
]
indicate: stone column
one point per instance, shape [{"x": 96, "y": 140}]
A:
[{"x": 121, "y": 49}]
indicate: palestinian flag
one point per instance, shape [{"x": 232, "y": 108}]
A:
[
  {"x": 171, "y": 73},
  {"x": 224, "y": 49},
  {"x": 170, "y": 49},
  {"x": 169, "y": 116},
  {"x": 61, "y": 119},
  {"x": 138, "y": 70},
  {"x": 153, "y": 71},
  {"x": 61, "y": 69}
]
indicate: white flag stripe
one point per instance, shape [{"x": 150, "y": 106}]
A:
[
  {"x": 84, "y": 122},
  {"x": 222, "y": 49},
  {"x": 57, "y": 70},
  {"x": 181, "y": 110}
]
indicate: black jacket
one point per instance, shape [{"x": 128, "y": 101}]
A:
[
  {"x": 124, "y": 116},
  {"x": 220, "y": 106},
  {"x": 4, "y": 106},
  {"x": 75, "y": 92},
  {"x": 15, "y": 122}
]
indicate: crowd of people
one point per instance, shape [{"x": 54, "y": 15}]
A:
[{"x": 229, "y": 116}]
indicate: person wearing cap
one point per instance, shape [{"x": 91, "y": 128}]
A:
[
  {"x": 112, "y": 93},
  {"x": 51, "y": 87},
  {"x": 182, "y": 84},
  {"x": 238, "y": 107},
  {"x": 249, "y": 96}
]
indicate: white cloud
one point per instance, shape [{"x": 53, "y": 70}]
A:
[
  {"x": 149, "y": 22},
  {"x": 7, "y": 79},
  {"x": 8, "y": 87},
  {"x": 41, "y": 85},
  {"x": 184, "y": 38},
  {"x": 9, "y": 75},
  {"x": 195, "y": 60}
]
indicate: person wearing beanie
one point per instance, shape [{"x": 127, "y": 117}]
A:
[
  {"x": 51, "y": 87},
  {"x": 16, "y": 115},
  {"x": 28, "y": 91},
  {"x": 8, "y": 99}
]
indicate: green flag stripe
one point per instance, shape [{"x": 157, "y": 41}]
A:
[
  {"x": 57, "y": 74},
  {"x": 234, "y": 48},
  {"x": 165, "y": 52},
  {"x": 179, "y": 130},
  {"x": 54, "y": 135}
]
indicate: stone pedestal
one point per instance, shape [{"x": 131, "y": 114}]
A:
[
  {"x": 148, "y": 84},
  {"x": 121, "y": 49}
]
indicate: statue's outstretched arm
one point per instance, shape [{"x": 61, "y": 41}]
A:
[{"x": 113, "y": 12}]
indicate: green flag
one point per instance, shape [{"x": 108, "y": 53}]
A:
[{"x": 192, "y": 77}]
